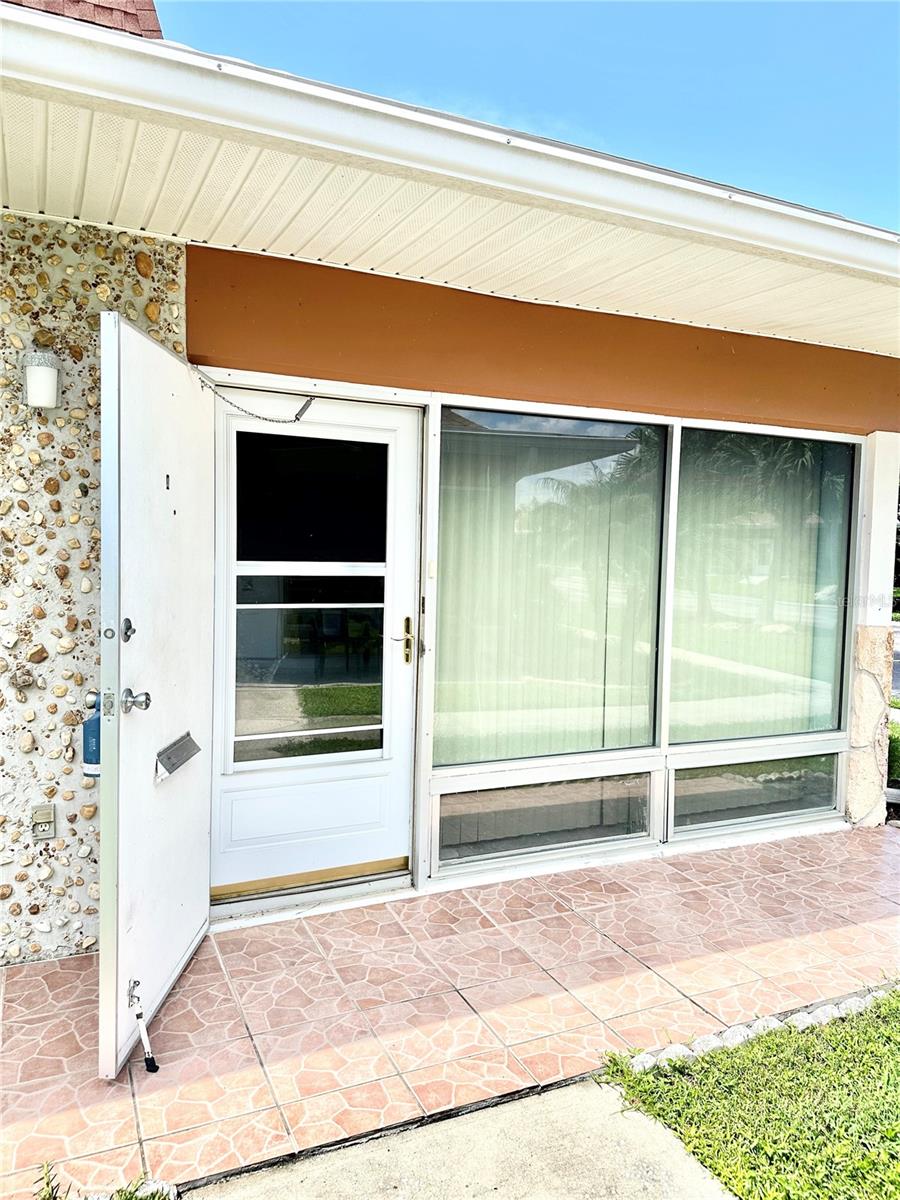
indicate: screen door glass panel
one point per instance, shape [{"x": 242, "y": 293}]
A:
[
  {"x": 309, "y": 644},
  {"x": 308, "y": 668},
  {"x": 302, "y": 499}
]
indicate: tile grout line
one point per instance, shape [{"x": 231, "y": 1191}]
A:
[
  {"x": 137, "y": 1120},
  {"x": 833, "y": 959}
]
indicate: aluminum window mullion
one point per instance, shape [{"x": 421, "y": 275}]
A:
[
  {"x": 667, "y": 607},
  {"x": 854, "y": 585}
]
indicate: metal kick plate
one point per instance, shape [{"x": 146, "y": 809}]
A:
[{"x": 176, "y": 754}]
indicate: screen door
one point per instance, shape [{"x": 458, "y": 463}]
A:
[{"x": 319, "y": 608}]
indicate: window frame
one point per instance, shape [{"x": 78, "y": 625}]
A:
[{"x": 662, "y": 758}]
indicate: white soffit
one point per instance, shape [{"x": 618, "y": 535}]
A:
[{"x": 109, "y": 128}]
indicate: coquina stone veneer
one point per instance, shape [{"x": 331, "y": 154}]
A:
[
  {"x": 871, "y": 690},
  {"x": 56, "y": 280}
]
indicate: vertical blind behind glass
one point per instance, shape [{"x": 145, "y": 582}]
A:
[
  {"x": 550, "y": 536},
  {"x": 760, "y": 585}
]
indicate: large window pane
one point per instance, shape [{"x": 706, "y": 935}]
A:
[
  {"x": 503, "y": 820},
  {"x": 760, "y": 585},
  {"x": 548, "y": 582},
  {"x": 704, "y": 795}
]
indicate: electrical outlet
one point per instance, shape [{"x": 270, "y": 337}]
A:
[{"x": 43, "y": 822}]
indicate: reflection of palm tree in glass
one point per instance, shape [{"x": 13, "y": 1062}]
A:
[
  {"x": 623, "y": 490},
  {"x": 755, "y": 482},
  {"x": 760, "y": 574},
  {"x": 603, "y": 529}
]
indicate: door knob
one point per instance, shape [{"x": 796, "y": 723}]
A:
[{"x": 130, "y": 701}]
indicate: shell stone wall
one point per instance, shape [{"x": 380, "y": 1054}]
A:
[
  {"x": 870, "y": 695},
  {"x": 55, "y": 281}
]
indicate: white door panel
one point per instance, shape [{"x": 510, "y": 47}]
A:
[
  {"x": 329, "y": 809},
  {"x": 158, "y": 572},
  {"x": 293, "y": 798}
]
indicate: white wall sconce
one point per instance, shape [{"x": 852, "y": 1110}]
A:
[{"x": 42, "y": 378}]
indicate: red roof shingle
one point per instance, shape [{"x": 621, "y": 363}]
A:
[{"x": 133, "y": 16}]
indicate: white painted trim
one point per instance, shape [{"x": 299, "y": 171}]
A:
[
  {"x": 879, "y": 526},
  {"x": 111, "y": 69}
]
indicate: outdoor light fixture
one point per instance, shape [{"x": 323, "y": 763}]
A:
[{"x": 42, "y": 378}]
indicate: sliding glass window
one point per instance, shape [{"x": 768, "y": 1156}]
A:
[
  {"x": 550, "y": 542},
  {"x": 760, "y": 595}
]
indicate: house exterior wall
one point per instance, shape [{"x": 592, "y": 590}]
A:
[
  {"x": 56, "y": 280},
  {"x": 251, "y": 312},
  {"x": 271, "y": 315}
]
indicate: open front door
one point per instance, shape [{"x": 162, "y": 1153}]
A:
[{"x": 156, "y": 678}]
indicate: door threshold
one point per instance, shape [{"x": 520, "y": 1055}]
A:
[
  {"x": 283, "y": 885},
  {"x": 301, "y": 901}
]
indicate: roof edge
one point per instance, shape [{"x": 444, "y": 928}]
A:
[{"x": 253, "y": 102}]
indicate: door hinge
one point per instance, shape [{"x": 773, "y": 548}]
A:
[{"x": 134, "y": 1001}]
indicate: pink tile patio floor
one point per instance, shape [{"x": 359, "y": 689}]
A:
[{"x": 296, "y": 1034}]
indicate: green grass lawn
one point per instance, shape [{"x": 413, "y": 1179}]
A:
[{"x": 790, "y": 1116}]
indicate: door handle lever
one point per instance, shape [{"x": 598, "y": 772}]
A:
[
  {"x": 130, "y": 701},
  {"x": 407, "y": 638}
]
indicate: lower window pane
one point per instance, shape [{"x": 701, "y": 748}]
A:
[
  {"x": 542, "y": 815},
  {"x": 299, "y": 747},
  {"x": 705, "y": 795}
]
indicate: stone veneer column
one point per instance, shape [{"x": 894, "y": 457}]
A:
[
  {"x": 873, "y": 641},
  {"x": 56, "y": 280}
]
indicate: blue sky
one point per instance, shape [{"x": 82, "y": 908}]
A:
[{"x": 796, "y": 100}]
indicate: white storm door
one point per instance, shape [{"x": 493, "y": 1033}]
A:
[
  {"x": 320, "y": 607},
  {"x": 157, "y": 597}
]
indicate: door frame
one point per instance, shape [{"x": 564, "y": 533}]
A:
[{"x": 296, "y": 386}]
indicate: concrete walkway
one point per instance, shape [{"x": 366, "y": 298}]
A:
[{"x": 564, "y": 1144}]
